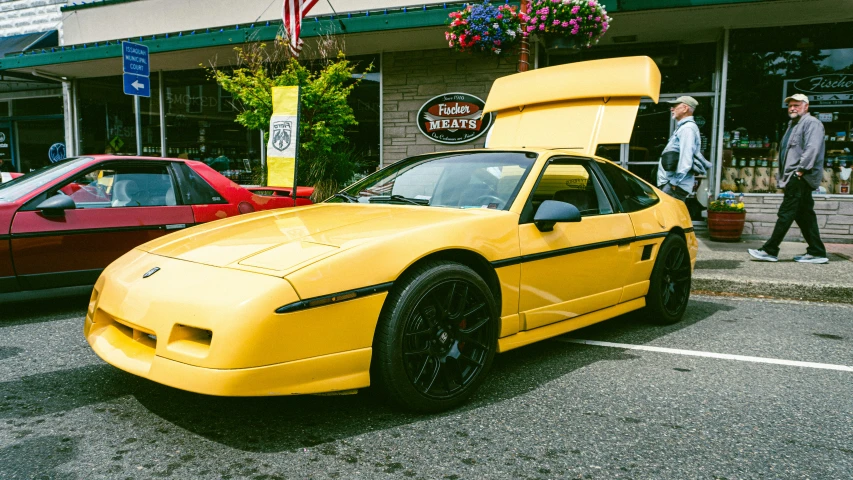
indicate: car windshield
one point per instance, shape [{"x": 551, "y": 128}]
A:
[
  {"x": 17, "y": 188},
  {"x": 483, "y": 179}
]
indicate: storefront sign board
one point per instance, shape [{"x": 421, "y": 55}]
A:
[
  {"x": 453, "y": 118},
  {"x": 831, "y": 89}
]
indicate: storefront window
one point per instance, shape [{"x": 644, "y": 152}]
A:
[
  {"x": 27, "y": 107},
  {"x": 107, "y": 123},
  {"x": 200, "y": 125},
  {"x": 765, "y": 66},
  {"x": 39, "y": 143}
]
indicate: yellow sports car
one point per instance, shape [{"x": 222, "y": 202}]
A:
[{"x": 414, "y": 278}]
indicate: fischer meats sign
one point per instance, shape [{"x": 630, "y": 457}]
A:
[{"x": 453, "y": 118}]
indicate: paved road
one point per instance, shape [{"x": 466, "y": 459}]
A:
[{"x": 551, "y": 410}]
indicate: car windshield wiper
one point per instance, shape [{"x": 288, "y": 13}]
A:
[
  {"x": 398, "y": 198},
  {"x": 349, "y": 198}
]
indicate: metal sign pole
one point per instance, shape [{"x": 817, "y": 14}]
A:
[
  {"x": 296, "y": 139},
  {"x": 138, "y": 125}
]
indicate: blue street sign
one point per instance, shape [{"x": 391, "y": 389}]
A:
[
  {"x": 137, "y": 85},
  {"x": 135, "y": 57}
]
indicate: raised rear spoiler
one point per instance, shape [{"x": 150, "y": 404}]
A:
[{"x": 575, "y": 106}]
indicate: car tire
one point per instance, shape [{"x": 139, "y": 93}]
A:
[
  {"x": 669, "y": 284},
  {"x": 436, "y": 337}
]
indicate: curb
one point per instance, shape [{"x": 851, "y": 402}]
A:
[{"x": 773, "y": 289}]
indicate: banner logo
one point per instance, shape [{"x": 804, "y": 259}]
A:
[
  {"x": 454, "y": 118},
  {"x": 281, "y": 132}
]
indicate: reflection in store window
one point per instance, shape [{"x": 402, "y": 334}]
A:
[{"x": 765, "y": 66}]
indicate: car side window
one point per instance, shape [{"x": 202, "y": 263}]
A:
[
  {"x": 115, "y": 186},
  {"x": 573, "y": 182},
  {"x": 632, "y": 193},
  {"x": 195, "y": 190}
]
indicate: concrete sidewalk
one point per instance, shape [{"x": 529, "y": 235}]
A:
[{"x": 726, "y": 268}]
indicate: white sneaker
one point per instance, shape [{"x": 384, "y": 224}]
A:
[
  {"x": 810, "y": 259},
  {"x": 762, "y": 256}
]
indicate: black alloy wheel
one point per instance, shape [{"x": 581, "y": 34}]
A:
[
  {"x": 669, "y": 288},
  {"x": 437, "y": 337}
]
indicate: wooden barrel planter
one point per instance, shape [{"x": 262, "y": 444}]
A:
[{"x": 726, "y": 226}]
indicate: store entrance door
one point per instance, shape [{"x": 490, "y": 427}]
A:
[{"x": 652, "y": 130}]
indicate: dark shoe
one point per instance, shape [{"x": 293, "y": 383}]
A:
[
  {"x": 762, "y": 256},
  {"x": 810, "y": 259}
]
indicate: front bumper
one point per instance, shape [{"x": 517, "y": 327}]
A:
[{"x": 214, "y": 330}]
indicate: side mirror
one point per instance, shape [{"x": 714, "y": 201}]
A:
[
  {"x": 553, "y": 211},
  {"x": 56, "y": 205}
]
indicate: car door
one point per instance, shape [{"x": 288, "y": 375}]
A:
[
  {"x": 118, "y": 205},
  {"x": 578, "y": 267},
  {"x": 636, "y": 198}
]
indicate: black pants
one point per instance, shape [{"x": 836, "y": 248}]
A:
[{"x": 797, "y": 206}]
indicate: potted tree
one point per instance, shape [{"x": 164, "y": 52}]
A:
[
  {"x": 566, "y": 24},
  {"x": 726, "y": 219}
]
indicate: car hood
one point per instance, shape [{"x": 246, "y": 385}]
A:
[{"x": 280, "y": 241}]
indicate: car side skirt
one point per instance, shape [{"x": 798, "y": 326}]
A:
[
  {"x": 73, "y": 278},
  {"x": 9, "y": 284},
  {"x": 537, "y": 334}
]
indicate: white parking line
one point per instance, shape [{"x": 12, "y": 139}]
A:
[{"x": 724, "y": 356}]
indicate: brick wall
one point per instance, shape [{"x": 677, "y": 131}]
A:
[
  {"x": 29, "y": 16},
  {"x": 834, "y": 218},
  {"x": 411, "y": 78}
]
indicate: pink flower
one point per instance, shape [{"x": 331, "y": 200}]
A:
[
  {"x": 592, "y": 3},
  {"x": 541, "y": 26},
  {"x": 589, "y": 17},
  {"x": 590, "y": 34},
  {"x": 534, "y": 20},
  {"x": 499, "y": 16},
  {"x": 575, "y": 9},
  {"x": 574, "y": 32},
  {"x": 556, "y": 22},
  {"x": 543, "y": 17},
  {"x": 565, "y": 24},
  {"x": 531, "y": 28},
  {"x": 597, "y": 19},
  {"x": 497, "y": 42}
]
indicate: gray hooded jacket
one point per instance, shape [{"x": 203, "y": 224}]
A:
[{"x": 805, "y": 152}]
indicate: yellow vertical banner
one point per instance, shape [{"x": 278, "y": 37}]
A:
[{"x": 284, "y": 137}]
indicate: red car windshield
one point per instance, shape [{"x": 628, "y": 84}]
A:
[{"x": 17, "y": 188}]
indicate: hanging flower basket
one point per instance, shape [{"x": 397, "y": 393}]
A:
[
  {"x": 484, "y": 28},
  {"x": 582, "y": 21}
]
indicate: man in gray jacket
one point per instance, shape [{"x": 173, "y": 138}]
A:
[{"x": 801, "y": 157}]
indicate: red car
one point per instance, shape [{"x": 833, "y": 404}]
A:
[{"x": 61, "y": 225}]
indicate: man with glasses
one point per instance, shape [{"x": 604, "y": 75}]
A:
[
  {"x": 675, "y": 172},
  {"x": 801, "y": 170}
]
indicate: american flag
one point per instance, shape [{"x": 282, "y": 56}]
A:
[{"x": 292, "y": 13}]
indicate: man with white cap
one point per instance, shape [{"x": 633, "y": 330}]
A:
[
  {"x": 675, "y": 171},
  {"x": 801, "y": 170}
]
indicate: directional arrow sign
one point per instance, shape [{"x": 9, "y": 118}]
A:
[
  {"x": 136, "y": 69},
  {"x": 137, "y": 85}
]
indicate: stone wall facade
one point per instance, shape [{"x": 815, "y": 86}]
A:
[
  {"x": 30, "y": 16},
  {"x": 409, "y": 79},
  {"x": 834, "y": 218}
]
